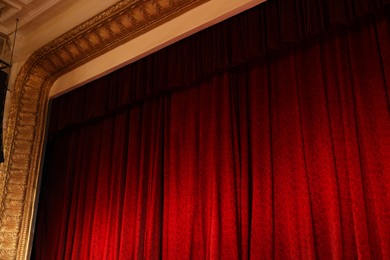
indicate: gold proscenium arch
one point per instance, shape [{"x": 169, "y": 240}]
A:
[{"x": 25, "y": 133}]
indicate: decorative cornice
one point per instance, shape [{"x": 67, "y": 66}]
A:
[{"x": 24, "y": 138}]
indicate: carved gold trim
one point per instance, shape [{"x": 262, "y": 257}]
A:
[{"x": 27, "y": 119}]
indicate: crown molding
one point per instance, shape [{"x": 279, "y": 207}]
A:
[{"x": 24, "y": 136}]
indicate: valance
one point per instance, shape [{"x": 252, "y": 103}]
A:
[{"x": 251, "y": 35}]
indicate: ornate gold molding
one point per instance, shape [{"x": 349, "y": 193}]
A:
[{"x": 27, "y": 119}]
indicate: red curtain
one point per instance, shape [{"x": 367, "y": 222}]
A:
[{"x": 283, "y": 157}]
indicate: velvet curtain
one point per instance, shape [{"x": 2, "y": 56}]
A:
[{"x": 282, "y": 156}]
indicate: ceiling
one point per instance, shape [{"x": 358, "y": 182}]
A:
[
  {"x": 37, "y": 12},
  {"x": 24, "y": 10},
  {"x": 55, "y": 16}
]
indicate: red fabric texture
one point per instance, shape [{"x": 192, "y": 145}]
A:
[{"x": 286, "y": 157}]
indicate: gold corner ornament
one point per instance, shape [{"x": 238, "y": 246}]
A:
[{"x": 24, "y": 135}]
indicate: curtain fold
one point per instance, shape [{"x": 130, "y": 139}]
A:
[{"x": 284, "y": 157}]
